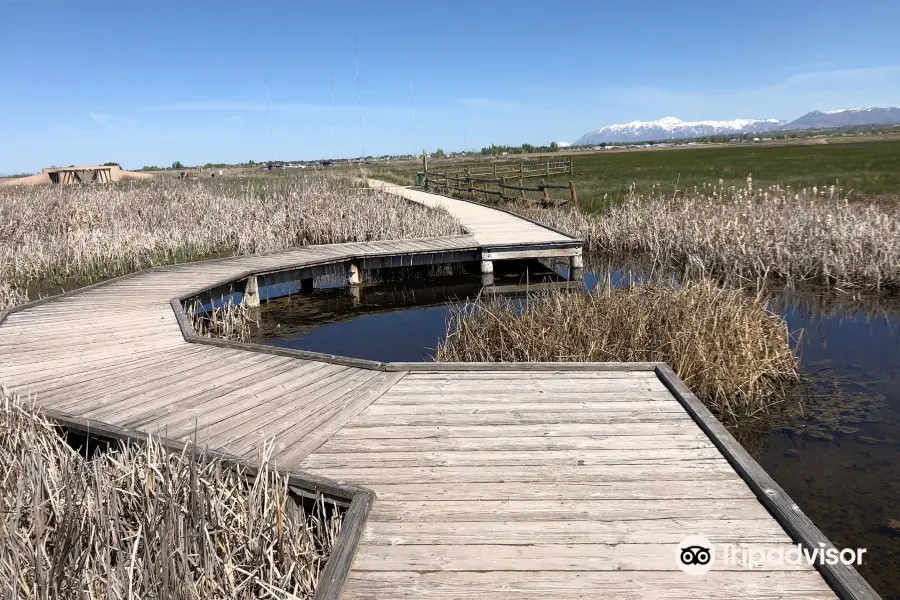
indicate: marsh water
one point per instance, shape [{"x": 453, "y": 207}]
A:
[{"x": 834, "y": 446}]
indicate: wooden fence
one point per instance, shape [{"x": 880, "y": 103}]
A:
[
  {"x": 518, "y": 169},
  {"x": 494, "y": 180}
]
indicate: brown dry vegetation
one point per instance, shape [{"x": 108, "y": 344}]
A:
[
  {"x": 726, "y": 346},
  {"x": 141, "y": 522},
  {"x": 54, "y": 235},
  {"x": 748, "y": 234},
  {"x": 228, "y": 322}
]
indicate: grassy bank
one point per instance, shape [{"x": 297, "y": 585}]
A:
[
  {"x": 863, "y": 170},
  {"x": 732, "y": 352},
  {"x": 140, "y": 522},
  {"x": 868, "y": 170},
  {"x": 51, "y": 236}
]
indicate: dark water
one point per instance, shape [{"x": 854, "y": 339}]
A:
[{"x": 835, "y": 447}]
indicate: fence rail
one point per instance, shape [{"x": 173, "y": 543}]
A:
[
  {"x": 473, "y": 186},
  {"x": 494, "y": 180}
]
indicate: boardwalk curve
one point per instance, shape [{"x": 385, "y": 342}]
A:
[{"x": 490, "y": 481}]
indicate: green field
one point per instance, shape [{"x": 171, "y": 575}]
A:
[{"x": 869, "y": 169}]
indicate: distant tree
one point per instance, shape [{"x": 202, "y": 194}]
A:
[
  {"x": 554, "y": 145},
  {"x": 177, "y": 165},
  {"x": 603, "y": 144},
  {"x": 250, "y": 162},
  {"x": 527, "y": 148},
  {"x": 439, "y": 153},
  {"x": 111, "y": 164}
]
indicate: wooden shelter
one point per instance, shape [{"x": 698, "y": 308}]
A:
[{"x": 80, "y": 174}]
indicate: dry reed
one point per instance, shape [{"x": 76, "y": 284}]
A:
[
  {"x": 142, "y": 522},
  {"x": 726, "y": 346},
  {"x": 747, "y": 233},
  {"x": 51, "y": 235},
  {"x": 229, "y": 321}
]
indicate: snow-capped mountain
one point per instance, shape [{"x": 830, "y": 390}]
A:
[
  {"x": 673, "y": 128},
  {"x": 873, "y": 115}
]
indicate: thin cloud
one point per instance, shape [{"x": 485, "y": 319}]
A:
[
  {"x": 283, "y": 108},
  {"x": 493, "y": 104},
  {"x": 112, "y": 121}
]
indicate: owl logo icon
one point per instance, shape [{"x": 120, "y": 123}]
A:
[{"x": 695, "y": 555}]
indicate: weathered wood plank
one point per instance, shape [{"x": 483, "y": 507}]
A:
[
  {"x": 526, "y": 533},
  {"x": 544, "y": 430},
  {"x": 732, "y": 488},
  {"x": 373, "y": 476},
  {"x": 505, "y": 419},
  {"x": 565, "y": 510},
  {"x": 557, "y": 585},
  {"x": 476, "y": 458},
  {"x": 455, "y": 444},
  {"x": 548, "y": 409}
]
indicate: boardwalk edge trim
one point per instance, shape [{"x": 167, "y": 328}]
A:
[{"x": 845, "y": 580}]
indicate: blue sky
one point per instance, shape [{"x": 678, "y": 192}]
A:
[{"x": 153, "y": 82}]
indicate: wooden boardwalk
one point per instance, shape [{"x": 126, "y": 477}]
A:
[
  {"x": 491, "y": 227},
  {"x": 492, "y": 481}
]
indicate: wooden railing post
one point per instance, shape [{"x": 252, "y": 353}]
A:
[
  {"x": 425, "y": 166},
  {"x": 573, "y": 194}
]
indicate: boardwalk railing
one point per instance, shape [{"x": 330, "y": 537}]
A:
[
  {"x": 495, "y": 180},
  {"x": 482, "y": 188},
  {"x": 519, "y": 169}
]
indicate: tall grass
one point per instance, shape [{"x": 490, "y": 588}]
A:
[
  {"x": 726, "y": 346},
  {"x": 229, "y": 322},
  {"x": 748, "y": 233},
  {"x": 141, "y": 522},
  {"x": 50, "y": 235}
]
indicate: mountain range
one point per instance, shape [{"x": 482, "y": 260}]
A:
[{"x": 669, "y": 128}]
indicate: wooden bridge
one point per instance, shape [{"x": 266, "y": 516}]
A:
[{"x": 517, "y": 480}]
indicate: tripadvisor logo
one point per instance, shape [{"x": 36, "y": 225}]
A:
[{"x": 696, "y": 555}]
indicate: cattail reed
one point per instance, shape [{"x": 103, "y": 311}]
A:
[
  {"x": 728, "y": 348},
  {"x": 138, "y": 521},
  {"x": 230, "y": 321},
  {"x": 51, "y": 235},
  {"x": 744, "y": 233}
]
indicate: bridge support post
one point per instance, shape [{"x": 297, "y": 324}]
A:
[
  {"x": 487, "y": 272},
  {"x": 251, "y": 293},
  {"x": 353, "y": 277},
  {"x": 576, "y": 268}
]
